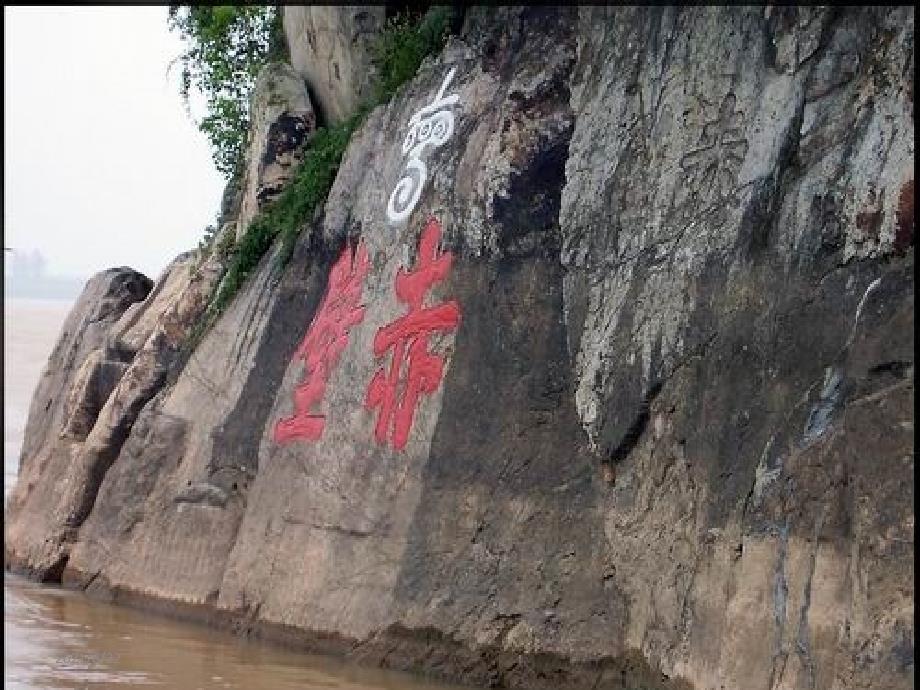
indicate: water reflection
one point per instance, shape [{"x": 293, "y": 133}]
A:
[{"x": 59, "y": 639}]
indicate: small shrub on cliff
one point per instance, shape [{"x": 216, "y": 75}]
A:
[
  {"x": 227, "y": 46},
  {"x": 403, "y": 45},
  {"x": 204, "y": 244},
  {"x": 311, "y": 184},
  {"x": 398, "y": 53},
  {"x": 286, "y": 214}
]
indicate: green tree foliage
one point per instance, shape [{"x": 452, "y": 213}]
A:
[
  {"x": 227, "y": 45},
  {"x": 404, "y": 43}
]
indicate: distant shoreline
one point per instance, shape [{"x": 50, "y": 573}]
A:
[
  {"x": 48, "y": 288},
  {"x": 32, "y": 301}
]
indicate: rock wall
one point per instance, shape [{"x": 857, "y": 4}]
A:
[
  {"x": 282, "y": 123},
  {"x": 597, "y": 371},
  {"x": 330, "y": 48}
]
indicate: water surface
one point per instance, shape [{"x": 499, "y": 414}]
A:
[
  {"x": 30, "y": 329},
  {"x": 55, "y": 638}
]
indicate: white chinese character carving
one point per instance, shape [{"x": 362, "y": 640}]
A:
[{"x": 432, "y": 125}]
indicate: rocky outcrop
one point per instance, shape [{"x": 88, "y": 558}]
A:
[
  {"x": 131, "y": 331},
  {"x": 67, "y": 400},
  {"x": 330, "y": 48},
  {"x": 81, "y": 435},
  {"x": 597, "y": 373},
  {"x": 282, "y": 122}
]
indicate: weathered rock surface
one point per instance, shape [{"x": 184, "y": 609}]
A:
[
  {"x": 663, "y": 441},
  {"x": 131, "y": 331},
  {"x": 73, "y": 386},
  {"x": 70, "y": 453},
  {"x": 282, "y": 122},
  {"x": 330, "y": 48}
]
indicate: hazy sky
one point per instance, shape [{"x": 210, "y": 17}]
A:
[{"x": 102, "y": 165}]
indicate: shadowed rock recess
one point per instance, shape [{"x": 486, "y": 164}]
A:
[{"x": 655, "y": 391}]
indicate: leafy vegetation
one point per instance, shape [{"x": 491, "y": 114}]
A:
[
  {"x": 227, "y": 46},
  {"x": 403, "y": 44},
  {"x": 286, "y": 215},
  {"x": 397, "y": 55}
]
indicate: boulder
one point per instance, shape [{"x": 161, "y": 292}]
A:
[
  {"x": 63, "y": 468},
  {"x": 330, "y": 48},
  {"x": 65, "y": 404},
  {"x": 282, "y": 121},
  {"x": 131, "y": 331}
]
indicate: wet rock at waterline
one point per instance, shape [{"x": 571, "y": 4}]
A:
[{"x": 596, "y": 371}]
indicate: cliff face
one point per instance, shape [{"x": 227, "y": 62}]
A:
[
  {"x": 598, "y": 372},
  {"x": 330, "y": 47}
]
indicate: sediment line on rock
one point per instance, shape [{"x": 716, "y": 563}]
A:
[{"x": 425, "y": 651}]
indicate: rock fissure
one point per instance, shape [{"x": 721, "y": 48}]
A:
[
  {"x": 803, "y": 646},
  {"x": 636, "y": 428}
]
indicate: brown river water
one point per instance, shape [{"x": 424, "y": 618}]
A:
[{"x": 54, "y": 638}]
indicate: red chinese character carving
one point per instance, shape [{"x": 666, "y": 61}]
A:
[
  {"x": 408, "y": 338},
  {"x": 324, "y": 343}
]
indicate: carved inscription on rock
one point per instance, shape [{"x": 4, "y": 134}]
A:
[
  {"x": 431, "y": 125},
  {"x": 712, "y": 167},
  {"x": 395, "y": 390},
  {"x": 323, "y": 345},
  {"x": 407, "y": 338}
]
